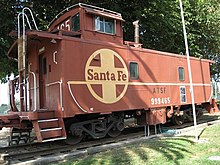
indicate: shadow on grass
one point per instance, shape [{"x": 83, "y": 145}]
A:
[
  {"x": 154, "y": 150},
  {"x": 209, "y": 117}
]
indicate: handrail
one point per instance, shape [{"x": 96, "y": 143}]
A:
[
  {"x": 35, "y": 88},
  {"x": 19, "y": 14},
  {"x": 22, "y": 54},
  {"x": 23, "y": 11},
  {"x": 54, "y": 57},
  {"x": 61, "y": 91}
]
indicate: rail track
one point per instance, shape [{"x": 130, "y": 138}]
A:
[{"x": 45, "y": 153}]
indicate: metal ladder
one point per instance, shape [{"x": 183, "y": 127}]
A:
[{"x": 22, "y": 64}]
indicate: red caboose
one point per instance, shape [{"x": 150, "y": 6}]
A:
[{"x": 80, "y": 78}]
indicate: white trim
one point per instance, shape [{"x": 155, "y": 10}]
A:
[
  {"x": 54, "y": 57},
  {"x": 48, "y": 120},
  {"x": 167, "y": 84},
  {"x": 48, "y": 140},
  {"x": 75, "y": 99},
  {"x": 61, "y": 91},
  {"x": 134, "y": 83},
  {"x": 35, "y": 88},
  {"x": 24, "y": 117},
  {"x": 210, "y": 95},
  {"x": 51, "y": 129},
  {"x": 138, "y": 83},
  {"x": 53, "y": 83}
]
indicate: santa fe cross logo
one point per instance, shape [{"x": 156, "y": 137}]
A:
[
  {"x": 107, "y": 75},
  {"x": 106, "y": 70}
]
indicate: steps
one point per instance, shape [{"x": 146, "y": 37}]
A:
[{"x": 48, "y": 126}]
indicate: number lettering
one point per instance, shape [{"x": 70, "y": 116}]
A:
[
  {"x": 159, "y": 101},
  {"x": 152, "y": 101},
  {"x": 65, "y": 25}
]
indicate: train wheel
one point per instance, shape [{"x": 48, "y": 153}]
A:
[
  {"x": 116, "y": 130},
  {"x": 75, "y": 135},
  {"x": 71, "y": 140},
  {"x": 177, "y": 120},
  {"x": 199, "y": 113}
]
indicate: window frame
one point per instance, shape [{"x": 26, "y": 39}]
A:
[
  {"x": 74, "y": 16},
  {"x": 103, "y": 20},
  {"x": 181, "y": 68},
  {"x": 136, "y": 70}
]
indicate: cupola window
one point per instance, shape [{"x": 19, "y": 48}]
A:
[
  {"x": 76, "y": 22},
  {"x": 105, "y": 25}
]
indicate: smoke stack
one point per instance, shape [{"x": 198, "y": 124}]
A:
[{"x": 136, "y": 31}]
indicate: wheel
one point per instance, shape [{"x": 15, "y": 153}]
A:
[
  {"x": 114, "y": 132},
  {"x": 199, "y": 113},
  {"x": 116, "y": 129},
  {"x": 74, "y": 135},
  {"x": 71, "y": 140},
  {"x": 177, "y": 120},
  {"x": 188, "y": 115}
]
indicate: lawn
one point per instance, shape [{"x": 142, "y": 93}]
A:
[{"x": 172, "y": 150}]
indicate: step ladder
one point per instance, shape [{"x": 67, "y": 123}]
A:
[
  {"x": 22, "y": 57},
  {"x": 49, "y": 127}
]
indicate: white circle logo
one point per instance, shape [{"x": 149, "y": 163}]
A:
[{"x": 106, "y": 75}]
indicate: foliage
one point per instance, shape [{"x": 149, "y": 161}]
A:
[
  {"x": 204, "y": 34},
  {"x": 4, "y": 108},
  {"x": 160, "y": 24},
  {"x": 7, "y": 19}
]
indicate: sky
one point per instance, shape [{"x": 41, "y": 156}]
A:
[
  {"x": 4, "y": 98},
  {"x": 4, "y": 93}
]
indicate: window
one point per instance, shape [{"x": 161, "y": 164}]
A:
[
  {"x": 134, "y": 70},
  {"x": 181, "y": 74},
  {"x": 183, "y": 94},
  {"x": 105, "y": 25},
  {"x": 75, "y": 22}
]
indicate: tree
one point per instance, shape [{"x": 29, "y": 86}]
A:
[
  {"x": 4, "y": 108},
  {"x": 204, "y": 34},
  {"x": 7, "y": 19},
  {"x": 160, "y": 24}
]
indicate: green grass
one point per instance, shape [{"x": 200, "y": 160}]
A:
[{"x": 165, "y": 151}]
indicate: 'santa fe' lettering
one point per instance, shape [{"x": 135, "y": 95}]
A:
[{"x": 106, "y": 76}]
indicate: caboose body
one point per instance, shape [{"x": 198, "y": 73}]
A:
[{"x": 82, "y": 79}]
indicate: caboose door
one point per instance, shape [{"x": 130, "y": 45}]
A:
[{"x": 42, "y": 79}]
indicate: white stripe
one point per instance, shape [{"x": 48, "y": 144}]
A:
[
  {"x": 137, "y": 83},
  {"x": 166, "y": 84},
  {"x": 48, "y": 120},
  {"x": 51, "y": 129},
  {"x": 71, "y": 93}
]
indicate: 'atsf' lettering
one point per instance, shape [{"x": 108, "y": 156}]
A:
[
  {"x": 159, "y": 90},
  {"x": 106, "y": 76}
]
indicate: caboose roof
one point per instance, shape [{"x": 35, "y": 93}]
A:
[
  {"x": 90, "y": 9},
  {"x": 33, "y": 35}
]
